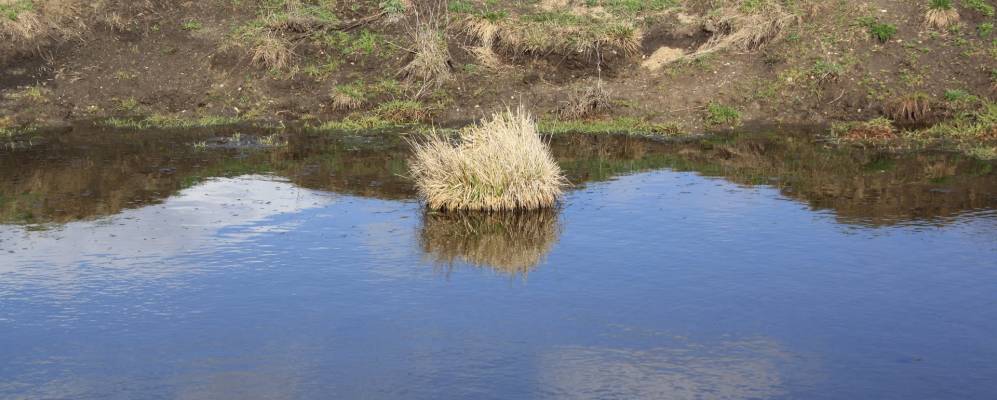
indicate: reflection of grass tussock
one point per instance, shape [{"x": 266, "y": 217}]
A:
[
  {"x": 500, "y": 164},
  {"x": 510, "y": 242}
]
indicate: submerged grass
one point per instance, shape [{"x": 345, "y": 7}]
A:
[{"x": 499, "y": 164}]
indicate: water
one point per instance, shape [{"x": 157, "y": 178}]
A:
[{"x": 193, "y": 265}]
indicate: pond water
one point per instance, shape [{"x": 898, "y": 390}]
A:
[{"x": 215, "y": 264}]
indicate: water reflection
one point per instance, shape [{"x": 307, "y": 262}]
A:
[
  {"x": 511, "y": 243},
  {"x": 252, "y": 286},
  {"x": 860, "y": 186},
  {"x": 728, "y": 371},
  {"x": 130, "y": 247},
  {"x": 87, "y": 173}
]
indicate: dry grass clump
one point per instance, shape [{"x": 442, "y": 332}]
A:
[
  {"x": 499, "y": 164},
  {"x": 941, "y": 15},
  {"x": 348, "y": 97},
  {"x": 745, "y": 25},
  {"x": 486, "y": 33},
  {"x": 560, "y": 33},
  {"x": 623, "y": 37},
  {"x": 585, "y": 102},
  {"x": 911, "y": 108},
  {"x": 272, "y": 37},
  {"x": 272, "y": 51},
  {"x": 877, "y": 130},
  {"x": 511, "y": 242},
  {"x": 30, "y": 23},
  {"x": 430, "y": 65},
  {"x": 402, "y": 111}
]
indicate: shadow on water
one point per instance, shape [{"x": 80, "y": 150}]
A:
[
  {"x": 511, "y": 243},
  {"x": 90, "y": 173}
]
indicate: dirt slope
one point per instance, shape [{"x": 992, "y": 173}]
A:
[{"x": 692, "y": 65}]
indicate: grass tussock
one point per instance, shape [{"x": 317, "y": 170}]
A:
[
  {"x": 486, "y": 33},
  {"x": 913, "y": 108},
  {"x": 499, "y": 164},
  {"x": 559, "y": 31},
  {"x": 348, "y": 97},
  {"x": 745, "y": 25},
  {"x": 585, "y": 103},
  {"x": 402, "y": 111},
  {"x": 876, "y": 130},
  {"x": 272, "y": 51},
  {"x": 28, "y": 23},
  {"x": 511, "y": 242},
  {"x": 941, "y": 15},
  {"x": 430, "y": 66},
  {"x": 279, "y": 25}
]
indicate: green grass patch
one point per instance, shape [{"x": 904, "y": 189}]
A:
[
  {"x": 940, "y": 4},
  {"x": 191, "y": 25},
  {"x": 972, "y": 126},
  {"x": 985, "y": 29},
  {"x": 880, "y": 31},
  {"x": 980, "y": 6},
  {"x": 633, "y": 6},
  {"x": 13, "y": 10},
  {"x": 354, "y": 123},
  {"x": 460, "y": 7},
  {"x": 392, "y": 7},
  {"x": 622, "y": 125},
  {"x": 824, "y": 70},
  {"x": 402, "y": 111},
  {"x": 719, "y": 114},
  {"x": 959, "y": 96},
  {"x": 883, "y": 32},
  {"x": 170, "y": 122}
]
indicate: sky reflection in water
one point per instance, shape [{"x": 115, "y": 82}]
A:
[{"x": 659, "y": 284}]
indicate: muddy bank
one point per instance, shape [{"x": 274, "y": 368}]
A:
[{"x": 686, "y": 66}]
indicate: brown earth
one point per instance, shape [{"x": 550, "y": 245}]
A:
[{"x": 183, "y": 58}]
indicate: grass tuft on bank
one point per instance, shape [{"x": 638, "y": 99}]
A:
[{"x": 170, "y": 122}]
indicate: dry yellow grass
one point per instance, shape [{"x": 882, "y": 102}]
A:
[
  {"x": 740, "y": 28},
  {"x": 486, "y": 32},
  {"x": 584, "y": 34},
  {"x": 911, "y": 108},
  {"x": 430, "y": 65},
  {"x": 941, "y": 18},
  {"x": 25, "y": 23},
  {"x": 343, "y": 101},
  {"x": 272, "y": 51},
  {"x": 585, "y": 102},
  {"x": 499, "y": 164},
  {"x": 512, "y": 243}
]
